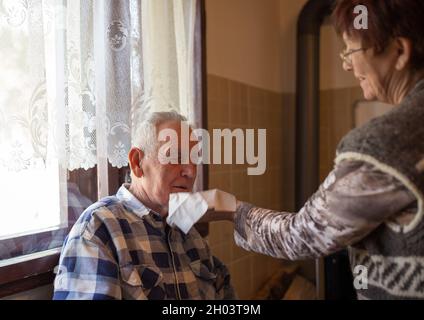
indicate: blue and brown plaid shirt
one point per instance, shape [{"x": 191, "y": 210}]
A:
[{"x": 119, "y": 249}]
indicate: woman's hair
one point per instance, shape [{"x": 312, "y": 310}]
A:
[{"x": 387, "y": 19}]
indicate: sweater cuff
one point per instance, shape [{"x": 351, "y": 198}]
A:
[{"x": 240, "y": 218}]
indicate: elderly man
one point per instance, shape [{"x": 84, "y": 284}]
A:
[{"x": 121, "y": 246}]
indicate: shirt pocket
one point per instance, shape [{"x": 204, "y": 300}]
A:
[
  {"x": 142, "y": 282},
  {"x": 206, "y": 280}
]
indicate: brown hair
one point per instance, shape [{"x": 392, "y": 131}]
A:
[{"x": 387, "y": 19}]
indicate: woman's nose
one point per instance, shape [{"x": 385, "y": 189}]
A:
[{"x": 347, "y": 66}]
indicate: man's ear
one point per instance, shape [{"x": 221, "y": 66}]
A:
[
  {"x": 404, "y": 48},
  {"x": 135, "y": 157}
]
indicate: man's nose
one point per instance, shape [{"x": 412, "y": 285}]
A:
[{"x": 189, "y": 171}]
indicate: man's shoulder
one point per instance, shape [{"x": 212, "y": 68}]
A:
[{"x": 101, "y": 214}]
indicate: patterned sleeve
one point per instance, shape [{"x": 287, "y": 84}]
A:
[
  {"x": 87, "y": 269},
  {"x": 353, "y": 200}
]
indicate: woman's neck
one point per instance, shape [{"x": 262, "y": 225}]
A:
[{"x": 404, "y": 87}]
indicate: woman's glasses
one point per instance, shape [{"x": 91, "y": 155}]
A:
[{"x": 346, "y": 55}]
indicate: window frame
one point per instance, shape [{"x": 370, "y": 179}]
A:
[
  {"x": 32, "y": 270},
  {"x": 36, "y": 270}
]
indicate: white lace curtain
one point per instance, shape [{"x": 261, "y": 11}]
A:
[{"x": 77, "y": 75}]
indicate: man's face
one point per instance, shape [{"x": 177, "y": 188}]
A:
[{"x": 160, "y": 180}]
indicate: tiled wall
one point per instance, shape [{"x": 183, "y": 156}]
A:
[
  {"x": 232, "y": 105},
  {"x": 336, "y": 119}
]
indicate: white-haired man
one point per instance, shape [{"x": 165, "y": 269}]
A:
[{"x": 121, "y": 246}]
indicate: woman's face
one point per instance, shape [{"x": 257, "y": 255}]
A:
[{"x": 374, "y": 72}]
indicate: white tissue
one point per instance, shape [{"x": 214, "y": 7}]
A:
[{"x": 185, "y": 209}]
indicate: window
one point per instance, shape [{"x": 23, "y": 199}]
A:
[{"x": 77, "y": 76}]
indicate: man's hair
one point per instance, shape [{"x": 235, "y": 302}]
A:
[{"x": 146, "y": 133}]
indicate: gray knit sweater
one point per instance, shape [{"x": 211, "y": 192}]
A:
[{"x": 394, "y": 143}]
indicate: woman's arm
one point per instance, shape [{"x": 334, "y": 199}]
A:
[{"x": 353, "y": 200}]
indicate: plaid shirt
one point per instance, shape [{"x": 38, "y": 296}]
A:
[{"x": 119, "y": 249}]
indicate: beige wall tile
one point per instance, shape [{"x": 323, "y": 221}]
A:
[
  {"x": 336, "y": 120},
  {"x": 240, "y": 184},
  {"x": 273, "y": 265},
  {"x": 227, "y": 230},
  {"x": 258, "y": 117},
  {"x": 215, "y": 236},
  {"x": 220, "y": 180},
  {"x": 251, "y": 107},
  {"x": 275, "y": 146},
  {"x": 218, "y": 112},
  {"x": 222, "y": 253},
  {"x": 239, "y": 115},
  {"x": 259, "y": 271},
  {"x": 276, "y": 185},
  {"x": 241, "y": 271},
  {"x": 259, "y": 190},
  {"x": 217, "y": 88},
  {"x": 237, "y": 252}
]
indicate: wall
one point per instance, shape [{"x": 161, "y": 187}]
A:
[
  {"x": 342, "y": 106},
  {"x": 254, "y": 41},
  {"x": 243, "y": 41},
  {"x": 289, "y": 13},
  {"x": 251, "y": 58},
  {"x": 339, "y": 93},
  {"x": 231, "y": 105},
  {"x": 333, "y": 76}
]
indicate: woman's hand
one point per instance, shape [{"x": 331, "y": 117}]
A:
[{"x": 212, "y": 215}]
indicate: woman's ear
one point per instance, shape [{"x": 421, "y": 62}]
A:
[
  {"x": 135, "y": 157},
  {"x": 404, "y": 49}
]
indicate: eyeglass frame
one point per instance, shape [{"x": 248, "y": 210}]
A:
[{"x": 346, "y": 55}]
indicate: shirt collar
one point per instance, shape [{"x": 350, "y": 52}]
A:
[{"x": 131, "y": 202}]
